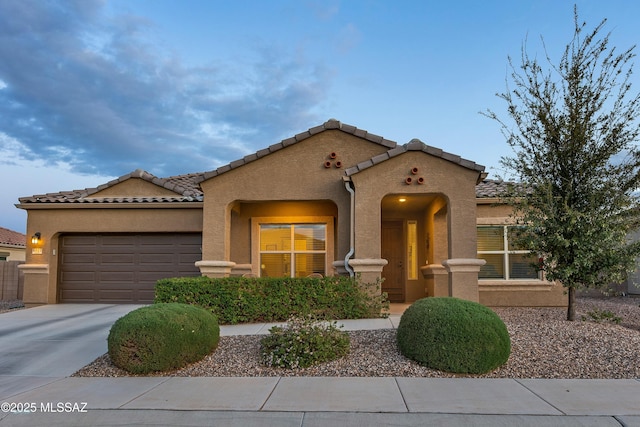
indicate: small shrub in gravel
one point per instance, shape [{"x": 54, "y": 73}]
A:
[
  {"x": 602, "y": 316},
  {"x": 453, "y": 335},
  {"x": 303, "y": 342},
  {"x": 161, "y": 337}
]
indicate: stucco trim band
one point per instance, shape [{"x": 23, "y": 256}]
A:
[{"x": 34, "y": 268}]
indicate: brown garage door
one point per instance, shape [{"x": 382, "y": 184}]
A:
[{"x": 123, "y": 268}]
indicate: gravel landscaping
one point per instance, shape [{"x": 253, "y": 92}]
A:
[
  {"x": 11, "y": 305},
  {"x": 544, "y": 345}
]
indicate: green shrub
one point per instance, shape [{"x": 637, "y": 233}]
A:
[
  {"x": 303, "y": 342},
  {"x": 598, "y": 316},
  {"x": 453, "y": 335},
  {"x": 275, "y": 299},
  {"x": 161, "y": 337}
]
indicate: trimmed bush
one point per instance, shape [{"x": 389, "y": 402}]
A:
[
  {"x": 453, "y": 335},
  {"x": 303, "y": 342},
  {"x": 162, "y": 337},
  {"x": 275, "y": 299}
]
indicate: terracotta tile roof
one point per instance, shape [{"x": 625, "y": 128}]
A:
[
  {"x": 328, "y": 125},
  {"x": 491, "y": 188},
  {"x": 179, "y": 184},
  {"x": 12, "y": 238},
  {"x": 188, "y": 189},
  {"x": 185, "y": 185},
  {"x": 416, "y": 145}
]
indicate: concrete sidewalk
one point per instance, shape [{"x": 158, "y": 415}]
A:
[
  {"x": 313, "y": 401},
  {"x": 34, "y": 397}
]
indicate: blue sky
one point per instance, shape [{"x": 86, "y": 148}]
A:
[{"x": 91, "y": 89}]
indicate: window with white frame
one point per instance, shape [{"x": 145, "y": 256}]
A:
[
  {"x": 505, "y": 261},
  {"x": 294, "y": 250}
]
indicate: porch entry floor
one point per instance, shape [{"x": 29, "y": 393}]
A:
[{"x": 398, "y": 307}]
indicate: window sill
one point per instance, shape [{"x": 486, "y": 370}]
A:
[{"x": 514, "y": 285}]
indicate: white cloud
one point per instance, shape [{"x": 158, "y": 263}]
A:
[{"x": 96, "y": 92}]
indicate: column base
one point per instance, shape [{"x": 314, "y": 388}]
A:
[
  {"x": 437, "y": 280},
  {"x": 215, "y": 268},
  {"x": 368, "y": 269},
  {"x": 463, "y": 277},
  {"x": 35, "y": 290}
]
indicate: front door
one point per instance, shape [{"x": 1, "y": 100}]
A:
[{"x": 393, "y": 252}]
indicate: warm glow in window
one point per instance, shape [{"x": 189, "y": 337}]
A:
[
  {"x": 412, "y": 250},
  {"x": 295, "y": 250}
]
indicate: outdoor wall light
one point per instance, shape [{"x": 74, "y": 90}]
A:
[{"x": 36, "y": 238}]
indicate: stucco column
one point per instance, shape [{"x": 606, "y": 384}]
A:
[
  {"x": 216, "y": 230},
  {"x": 215, "y": 268},
  {"x": 437, "y": 280},
  {"x": 463, "y": 277},
  {"x": 462, "y": 226},
  {"x": 36, "y": 284},
  {"x": 367, "y": 224},
  {"x": 369, "y": 269}
]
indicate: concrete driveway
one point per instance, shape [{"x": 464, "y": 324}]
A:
[{"x": 55, "y": 340}]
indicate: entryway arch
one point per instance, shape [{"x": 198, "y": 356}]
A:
[{"x": 413, "y": 234}]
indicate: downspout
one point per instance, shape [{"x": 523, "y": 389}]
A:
[{"x": 352, "y": 214}]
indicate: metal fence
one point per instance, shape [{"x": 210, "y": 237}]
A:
[{"x": 11, "y": 280}]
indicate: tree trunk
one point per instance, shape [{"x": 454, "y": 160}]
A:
[{"x": 571, "y": 308}]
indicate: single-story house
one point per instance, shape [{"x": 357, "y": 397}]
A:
[
  {"x": 12, "y": 245},
  {"x": 332, "y": 200}
]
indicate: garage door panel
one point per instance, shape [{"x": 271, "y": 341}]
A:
[
  {"x": 78, "y": 258},
  {"x": 152, "y": 278},
  {"x": 118, "y": 239},
  {"x": 116, "y": 296},
  {"x": 74, "y": 295},
  {"x": 159, "y": 258},
  {"x": 117, "y": 258},
  {"x": 117, "y": 276},
  {"x": 80, "y": 240},
  {"x": 78, "y": 276},
  {"x": 123, "y": 268}
]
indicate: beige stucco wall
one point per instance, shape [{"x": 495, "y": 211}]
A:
[
  {"x": 523, "y": 295},
  {"x": 489, "y": 211},
  {"x": 294, "y": 173},
  {"x": 454, "y": 186},
  {"x": 454, "y": 183},
  {"x": 437, "y": 232},
  {"x": 514, "y": 293},
  {"x": 41, "y": 288}
]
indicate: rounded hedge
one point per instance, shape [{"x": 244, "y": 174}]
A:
[
  {"x": 453, "y": 335},
  {"x": 161, "y": 337}
]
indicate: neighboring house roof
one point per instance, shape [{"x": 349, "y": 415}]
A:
[
  {"x": 12, "y": 238},
  {"x": 187, "y": 186}
]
